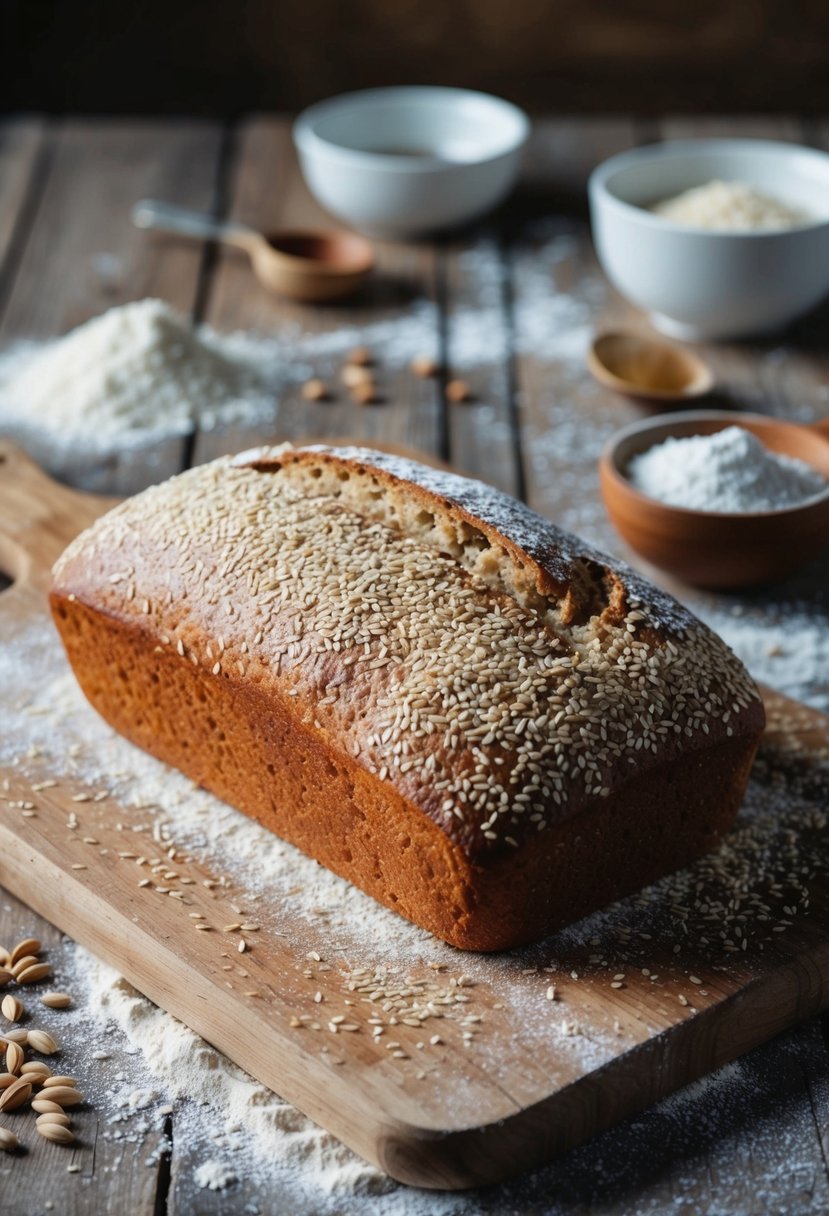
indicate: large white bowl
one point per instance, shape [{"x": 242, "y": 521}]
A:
[
  {"x": 408, "y": 161},
  {"x": 702, "y": 284}
]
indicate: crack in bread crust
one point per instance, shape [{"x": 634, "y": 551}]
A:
[{"x": 476, "y": 665}]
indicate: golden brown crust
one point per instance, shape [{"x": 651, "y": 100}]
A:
[{"x": 455, "y": 695}]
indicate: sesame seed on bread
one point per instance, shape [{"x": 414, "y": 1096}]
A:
[{"x": 413, "y": 677}]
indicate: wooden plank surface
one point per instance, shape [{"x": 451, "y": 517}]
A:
[
  {"x": 107, "y": 1174},
  {"x": 24, "y": 148},
  {"x": 395, "y": 315},
  {"x": 459, "y": 1116},
  {"x": 563, "y": 418},
  {"x": 82, "y": 255}
]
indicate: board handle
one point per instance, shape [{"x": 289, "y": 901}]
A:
[{"x": 38, "y": 517}]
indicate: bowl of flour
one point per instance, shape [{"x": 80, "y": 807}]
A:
[
  {"x": 719, "y": 499},
  {"x": 715, "y": 238}
]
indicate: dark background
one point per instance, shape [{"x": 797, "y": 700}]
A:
[{"x": 224, "y": 57}]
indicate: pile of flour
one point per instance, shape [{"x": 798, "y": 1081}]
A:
[
  {"x": 730, "y": 471},
  {"x": 133, "y": 373}
]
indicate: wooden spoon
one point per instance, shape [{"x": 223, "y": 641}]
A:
[
  {"x": 646, "y": 368},
  {"x": 709, "y": 548},
  {"x": 305, "y": 265}
]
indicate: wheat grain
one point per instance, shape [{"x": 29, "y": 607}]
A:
[{"x": 43, "y": 1042}]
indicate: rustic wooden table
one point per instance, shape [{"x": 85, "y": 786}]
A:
[{"x": 508, "y": 308}]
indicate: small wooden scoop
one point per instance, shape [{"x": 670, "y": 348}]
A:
[
  {"x": 305, "y": 265},
  {"x": 646, "y": 368}
]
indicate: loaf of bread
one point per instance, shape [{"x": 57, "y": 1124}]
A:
[{"x": 485, "y": 724}]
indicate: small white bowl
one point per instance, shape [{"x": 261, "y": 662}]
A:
[
  {"x": 700, "y": 284},
  {"x": 404, "y": 162}
]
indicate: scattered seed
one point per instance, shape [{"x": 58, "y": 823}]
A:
[
  {"x": 46, "y": 1106},
  {"x": 8, "y": 1141},
  {"x": 20, "y": 964},
  {"x": 366, "y": 393},
  {"x": 64, "y": 1095},
  {"x": 55, "y": 1132},
  {"x": 16, "y": 1094},
  {"x": 242, "y": 947},
  {"x": 51, "y": 1082},
  {"x": 38, "y": 1070},
  {"x": 361, "y": 356},
  {"x": 315, "y": 390},
  {"x": 15, "y": 1057},
  {"x": 38, "y": 971},
  {"x": 24, "y": 947},
  {"x": 425, "y": 367},
  {"x": 12, "y": 1008},
  {"x": 458, "y": 391},
  {"x": 57, "y": 1117},
  {"x": 551, "y": 992},
  {"x": 42, "y": 1041}
]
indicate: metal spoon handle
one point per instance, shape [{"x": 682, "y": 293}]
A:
[{"x": 164, "y": 217}]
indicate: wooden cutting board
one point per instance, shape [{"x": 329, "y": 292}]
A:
[{"x": 537, "y": 1050}]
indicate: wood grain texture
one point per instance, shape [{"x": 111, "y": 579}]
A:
[
  {"x": 109, "y": 1175},
  {"x": 23, "y": 143},
  {"x": 266, "y": 190},
  {"x": 83, "y": 255},
  {"x": 758, "y": 1147},
  {"x": 466, "y": 1117}
]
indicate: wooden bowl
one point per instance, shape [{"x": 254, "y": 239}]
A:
[{"x": 708, "y": 548}]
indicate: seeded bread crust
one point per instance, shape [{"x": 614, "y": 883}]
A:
[{"x": 481, "y": 721}]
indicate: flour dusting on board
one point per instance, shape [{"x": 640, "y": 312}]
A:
[{"x": 254, "y": 1133}]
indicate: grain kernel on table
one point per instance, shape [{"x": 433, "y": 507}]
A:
[
  {"x": 315, "y": 390},
  {"x": 366, "y": 393},
  {"x": 425, "y": 367},
  {"x": 458, "y": 391},
  {"x": 352, "y": 375}
]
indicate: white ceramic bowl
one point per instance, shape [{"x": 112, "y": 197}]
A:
[
  {"x": 702, "y": 284},
  {"x": 408, "y": 161}
]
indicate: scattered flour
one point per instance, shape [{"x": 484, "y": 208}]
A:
[
  {"x": 739, "y": 1109},
  {"x": 220, "y": 1111},
  {"x": 731, "y": 207},
  {"x": 730, "y": 471},
  {"x": 214, "y": 1176},
  {"x": 228, "y": 1122}
]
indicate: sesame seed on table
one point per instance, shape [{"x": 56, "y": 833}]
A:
[{"x": 506, "y": 309}]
